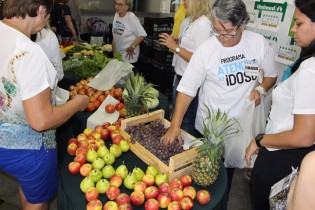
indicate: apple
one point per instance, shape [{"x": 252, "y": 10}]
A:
[
  {"x": 186, "y": 202},
  {"x": 119, "y": 106},
  {"x": 112, "y": 192},
  {"x": 117, "y": 93},
  {"x": 176, "y": 183},
  {"x": 138, "y": 172},
  {"x": 99, "y": 142},
  {"x": 148, "y": 179},
  {"x": 104, "y": 134},
  {"x": 98, "y": 163},
  {"x": 130, "y": 181},
  {"x": 98, "y": 128},
  {"x": 123, "y": 113},
  {"x": 106, "y": 125},
  {"x": 86, "y": 169},
  {"x": 203, "y": 196},
  {"x": 109, "y": 158},
  {"x": 72, "y": 148},
  {"x": 116, "y": 139},
  {"x": 186, "y": 180},
  {"x": 91, "y": 194},
  {"x": 102, "y": 185},
  {"x": 92, "y": 146},
  {"x": 137, "y": 198},
  {"x": 80, "y": 158},
  {"x": 73, "y": 140},
  {"x": 174, "y": 205},
  {"x": 122, "y": 170},
  {"x": 88, "y": 131},
  {"x": 94, "y": 205},
  {"x": 165, "y": 187},
  {"x": 176, "y": 194},
  {"x": 189, "y": 191},
  {"x": 97, "y": 104},
  {"x": 115, "y": 150},
  {"x": 115, "y": 180},
  {"x": 91, "y": 139},
  {"x": 151, "y": 192},
  {"x": 164, "y": 199},
  {"x": 86, "y": 183},
  {"x": 81, "y": 150},
  {"x": 91, "y": 155},
  {"x": 110, "y": 205},
  {"x": 122, "y": 198},
  {"x": 96, "y": 135},
  {"x": 152, "y": 170},
  {"x": 151, "y": 204},
  {"x": 96, "y": 175},
  {"x": 108, "y": 171},
  {"x": 161, "y": 177},
  {"x": 81, "y": 137},
  {"x": 140, "y": 186},
  {"x": 74, "y": 167},
  {"x": 114, "y": 133},
  {"x": 83, "y": 144},
  {"x": 102, "y": 151},
  {"x": 111, "y": 128},
  {"x": 117, "y": 124},
  {"x": 125, "y": 206}
]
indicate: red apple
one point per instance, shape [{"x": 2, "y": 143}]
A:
[
  {"x": 151, "y": 192},
  {"x": 104, "y": 134},
  {"x": 94, "y": 205},
  {"x": 111, "y": 128},
  {"x": 88, "y": 131},
  {"x": 176, "y": 183},
  {"x": 140, "y": 186},
  {"x": 91, "y": 107},
  {"x": 117, "y": 124},
  {"x": 174, "y": 205},
  {"x": 91, "y": 194},
  {"x": 110, "y": 205},
  {"x": 189, "y": 191},
  {"x": 81, "y": 137},
  {"x": 119, "y": 106},
  {"x": 112, "y": 192},
  {"x": 81, "y": 150},
  {"x": 74, "y": 167},
  {"x": 116, "y": 139},
  {"x": 86, "y": 169},
  {"x": 176, "y": 194},
  {"x": 116, "y": 180},
  {"x": 106, "y": 125},
  {"x": 101, "y": 98},
  {"x": 148, "y": 179},
  {"x": 151, "y": 204},
  {"x": 186, "y": 180},
  {"x": 125, "y": 206},
  {"x": 122, "y": 198},
  {"x": 99, "y": 142},
  {"x": 91, "y": 139},
  {"x": 186, "y": 202},
  {"x": 83, "y": 143},
  {"x": 98, "y": 128},
  {"x": 165, "y": 187},
  {"x": 137, "y": 198},
  {"x": 203, "y": 196},
  {"x": 73, "y": 140},
  {"x": 96, "y": 135},
  {"x": 80, "y": 158},
  {"x": 97, "y": 104},
  {"x": 164, "y": 199},
  {"x": 113, "y": 133},
  {"x": 72, "y": 148},
  {"x": 92, "y": 146}
]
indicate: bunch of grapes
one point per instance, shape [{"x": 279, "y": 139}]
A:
[{"x": 149, "y": 136}]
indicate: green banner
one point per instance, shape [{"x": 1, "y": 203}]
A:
[{"x": 271, "y": 7}]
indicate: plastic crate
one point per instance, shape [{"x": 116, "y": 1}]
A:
[
  {"x": 161, "y": 54},
  {"x": 156, "y": 26}
]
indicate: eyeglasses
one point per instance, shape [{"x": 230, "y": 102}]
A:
[
  {"x": 118, "y": 5},
  {"x": 228, "y": 35}
]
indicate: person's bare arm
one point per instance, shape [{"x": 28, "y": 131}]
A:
[
  {"x": 68, "y": 20},
  {"x": 113, "y": 46},
  {"x": 267, "y": 83}
]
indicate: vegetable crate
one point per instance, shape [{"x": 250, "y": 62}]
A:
[{"x": 179, "y": 164}]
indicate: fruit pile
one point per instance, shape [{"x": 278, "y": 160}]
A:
[{"x": 149, "y": 135}]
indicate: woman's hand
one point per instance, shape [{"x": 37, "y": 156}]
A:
[
  {"x": 251, "y": 149},
  {"x": 172, "y": 134},
  {"x": 255, "y": 96},
  {"x": 82, "y": 101},
  {"x": 168, "y": 41},
  {"x": 130, "y": 52}
]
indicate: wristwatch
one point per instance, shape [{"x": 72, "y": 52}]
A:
[
  {"x": 258, "y": 139},
  {"x": 177, "y": 50}
]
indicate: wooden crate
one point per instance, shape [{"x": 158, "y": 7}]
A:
[{"x": 179, "y": 164}]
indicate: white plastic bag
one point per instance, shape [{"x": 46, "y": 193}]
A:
[{"x": 253, "y": 121}]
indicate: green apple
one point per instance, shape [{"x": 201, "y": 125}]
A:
[
  {"x": 91, "y": 155},
  {"x": 96, "y": 175},
  {"x": 152, "y": 170},
  {"x": 162, "y": 177},
  {"x": 122, "y": 171},
  {"x": 108, "y": 171},
  {"x": 86, "y": 183},
  {"x": 102, "y": 185},
  {"x": 124, "y": 145},
  {"x": 138, "y": 172},
  {"x": 109, "y": 158},
  {"x": 102, "y": 151},
  {"x": 98, "y": 163},
  {"x": 130, "y": 181},
  {"x": 115, "y": 150}
]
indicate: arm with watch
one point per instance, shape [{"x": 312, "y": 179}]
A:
[
  {"x": 262, "y": 89},
  {"x": 134, "y": 44}
]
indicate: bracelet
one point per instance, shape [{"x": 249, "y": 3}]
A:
[
  {"x": 133, "y": 46},
  {"x": 261, "y": 90}
]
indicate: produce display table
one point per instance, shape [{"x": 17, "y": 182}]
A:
[{"x": 70, "y": 197}]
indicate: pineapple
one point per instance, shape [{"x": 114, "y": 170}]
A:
[
  {"x": 136, "y": 95},
  {"x": 217, "y": 127}
]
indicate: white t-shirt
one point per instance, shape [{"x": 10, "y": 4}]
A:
[
  {"x": 48, "y": 41},
  {"x": 126, "y": 30},
  {"x": 219, "y": 72},
  {"x": 192, "y": 35},
  {"x": 25, "y": 71},
  {"x": 293, "y": 96}
]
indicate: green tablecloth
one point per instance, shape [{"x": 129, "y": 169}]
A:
[{"x": 70, "y": 197}]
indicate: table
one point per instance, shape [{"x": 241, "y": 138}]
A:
[{"x": 70, "y": 197}]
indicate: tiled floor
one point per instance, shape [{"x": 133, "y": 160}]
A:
[{"x": 239, "y": 194}]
